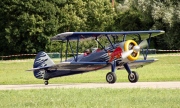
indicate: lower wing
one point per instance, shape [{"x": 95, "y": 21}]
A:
[{"x": 138, "y": 64}]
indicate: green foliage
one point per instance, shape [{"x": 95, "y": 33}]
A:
[
  {"x": 99, "y": 15},
  {"x": 129, "y": 21},
  {"x": 26, "y": 26},
  {"x": 73, "y": 16},
  {"x": 163, "y": 15},
  {"x": 30, "y": 24}
]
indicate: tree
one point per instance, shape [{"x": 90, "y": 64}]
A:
[
  {"x": 87, "y": 15},
  {"x": 159, "y": 14},
  {"x": 100, "y": 15},
  {"x": 28, "y": 24}
]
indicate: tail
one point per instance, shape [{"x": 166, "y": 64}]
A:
[{"x": 41, "y": 61}]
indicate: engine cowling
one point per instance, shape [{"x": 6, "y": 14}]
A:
[{"x": 128, "y": 45}]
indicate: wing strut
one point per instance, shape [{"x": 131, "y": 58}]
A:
[
  {"x": 146, "y": 53},
  {"x": 61, "y": 50},
  {"x": 124, "y": 37},
  {"x": 100, "y": 44},
  {"x": 110, "y": 41},
  {"x": 77, "y": 49},
  {"x": 139, "y": 37},
  {"x": 72, "y": 50},
  {"x": 66, "y": 48}
]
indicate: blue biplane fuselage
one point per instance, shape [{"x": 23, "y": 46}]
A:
[
  {"x": 116, "y": 56},
  {"x": 91, "y": 62}
]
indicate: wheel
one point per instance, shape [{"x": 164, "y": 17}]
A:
[
  {"x": 111, "y": 77},
  {"x": 46, "y": 82},
  {"x": 133, "y": 77}
]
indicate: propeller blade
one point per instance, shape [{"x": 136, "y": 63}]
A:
[
  {"x": 126, "y": 54},
  {"x": 143, "y": 44},
  {"x": 136, "y": 48}
]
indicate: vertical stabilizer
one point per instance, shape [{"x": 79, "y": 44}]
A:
[{"x": 41, "y": 60}]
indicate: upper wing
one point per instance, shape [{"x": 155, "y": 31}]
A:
[
  {"x": 138, "y": 63},
  {"x": 90, "y": 35}
]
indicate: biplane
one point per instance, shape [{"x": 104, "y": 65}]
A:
[{"x": 115, "y": 56}]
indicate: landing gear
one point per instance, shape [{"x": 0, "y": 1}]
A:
[
  {"x": 111, "y": 77},
  {"x": 46, "y": 77},
  {"x": 46, "y": 82},
  {"x": 133, "y": 77}
]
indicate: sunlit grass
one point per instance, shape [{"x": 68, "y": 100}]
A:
[
  {"x": 166, "y": 69},
  {"x": 91, "y": 98}
]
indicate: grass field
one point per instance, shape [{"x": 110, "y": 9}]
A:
[
  {"x": 91, "y": 98},
  {"x": 166, "y": 69}
]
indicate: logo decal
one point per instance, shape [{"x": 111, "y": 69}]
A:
[
  {"x": 115, "y": 54},
  {"x": 40, "y": 74},
  {"x": 42, "y": 60}
]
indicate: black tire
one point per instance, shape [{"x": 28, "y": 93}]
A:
[
  {"x": 46, "y": 82},
  {"x": 111, "y": 77},
  {"x": 133, "y": 77}
]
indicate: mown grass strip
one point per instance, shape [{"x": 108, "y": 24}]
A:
[
  {"x": 166, "y": 69},
  {"x": 91, "y": 98}
]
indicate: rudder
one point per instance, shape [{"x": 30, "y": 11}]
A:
[{"x": 41, "y": 60}]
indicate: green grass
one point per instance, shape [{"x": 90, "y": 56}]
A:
[
  {"x": 166, "y": 69},
  {"x": 91, "y": 98}
]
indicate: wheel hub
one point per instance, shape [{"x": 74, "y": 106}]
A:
[
  {"x": 131, "y": 76},
  {"x": 109, "y": 77}
]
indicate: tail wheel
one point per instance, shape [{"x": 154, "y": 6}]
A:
[
  {"x": 46, "y": 82},
  {"x": 111, "y": 77},
  {"x": 133, "y": 77}
]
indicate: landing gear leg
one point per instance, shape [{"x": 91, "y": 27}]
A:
[
  {"x": 46, "y": 78},
  {"x": 111, "y": 76},
  {"x": 132, "y": 75}
]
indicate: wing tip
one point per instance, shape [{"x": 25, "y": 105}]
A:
[
  {"x": 33, "y": 69},
  {"x": 156, "y": 59},
  {"x": 162, "y": 31}
]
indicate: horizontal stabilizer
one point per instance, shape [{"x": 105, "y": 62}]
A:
[{"x": 33, "y": 69}]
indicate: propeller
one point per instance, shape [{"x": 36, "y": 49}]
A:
[
  {"x": 137, "y": 48},
  {"x": 143, "y": 44},
  {"x": 126, "y": 54}
]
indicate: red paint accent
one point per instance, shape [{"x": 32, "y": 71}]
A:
[
  {"x": 98, "y": 50},
  {"x": 115, "y": 54}
]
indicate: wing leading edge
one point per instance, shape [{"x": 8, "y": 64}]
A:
[{"x": 90, "y": 35}]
